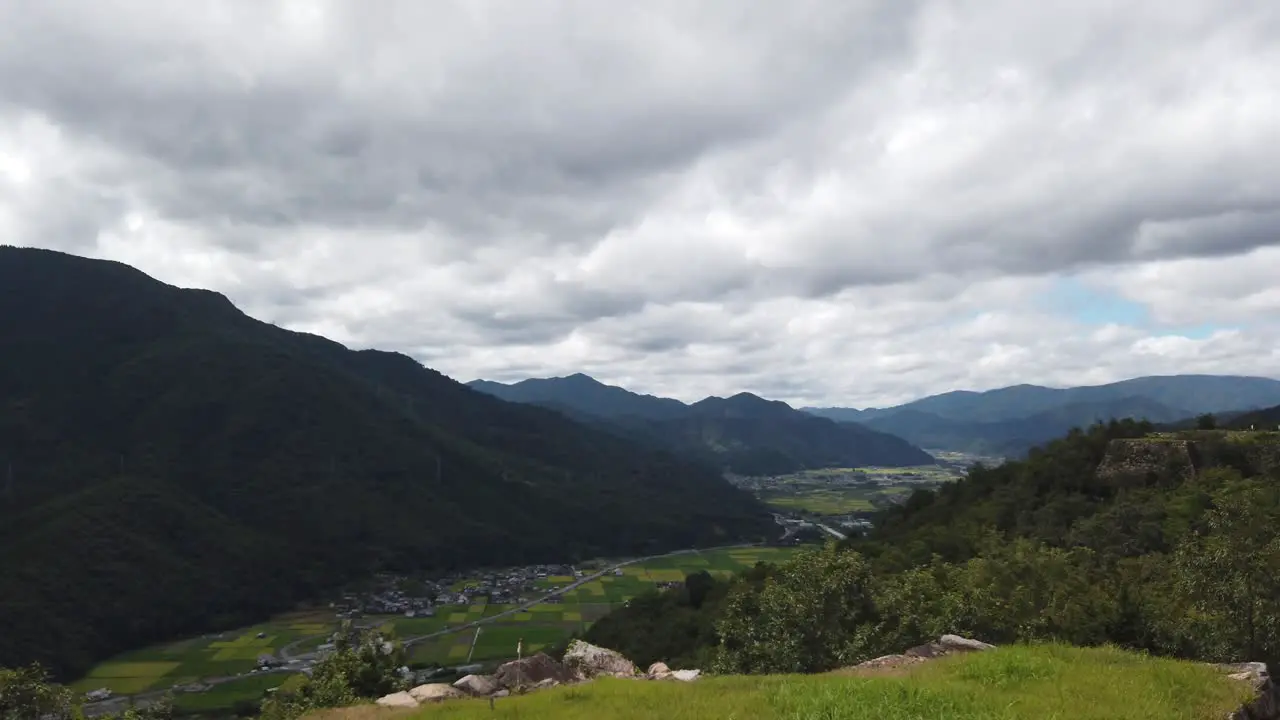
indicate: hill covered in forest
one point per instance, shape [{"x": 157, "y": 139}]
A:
[
  {"x": 1167, "y": 543},
  {"x": 744, "y": 434},
  {"x": 171, "y": 465}
]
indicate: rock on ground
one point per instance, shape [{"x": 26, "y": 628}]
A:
[
  {"x": 593, "y": 661},
  {"x": 659, "y": 671},
  {"x": 477, "y": 685},
  {"x": 1266, "y": 703},
  {"x": 686, "y": 675},
  {"x": 532, "y": 670},
  {"x": 435, "y": 692},
  {"x": 945, "y": 645},
  {"x": 397, "y": 700},
  {"x": 955, "y": 642}
]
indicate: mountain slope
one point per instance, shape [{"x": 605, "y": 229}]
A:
[
  {"x": 1190, "y": 394},
  {"x": 1266, "y": 419},
  {"x": 177, "y": 465},
  {"x": 744, "y": 434},
  {"x": 1015, "y": 437},
  {"x": 750, "y": 435},
  {"x": 1012, "y": 419}
]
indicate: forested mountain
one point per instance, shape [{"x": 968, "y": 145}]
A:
[
  {"x": 1011, "y": 420},
  {"x": 584, "y": 394},
  {"x": 745, "y": 433},
  {"x": 1014, "y": 437},
  {"x": 1178, "y": 560},
  {"x": 1267, "y": 419},
  {"x": 171, "y": 464}
]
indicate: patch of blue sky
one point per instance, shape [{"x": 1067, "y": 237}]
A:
[
  {"x": 1093, "y": 306},
  {"x": 1098, "y": 307}
]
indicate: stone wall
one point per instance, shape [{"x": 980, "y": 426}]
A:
[
  {"x": 1173, "y": 458},
  {"x": 1137, "y": 462}
]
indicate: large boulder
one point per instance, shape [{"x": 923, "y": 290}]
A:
[
  {"x": 1265, "y": 704},
  {"x": 659, "y": 671},
  {"x": 943, "y": 646},
  {"x": 435, "y": 692},
  {"x": 532, "y": 670},
  {"x": 963, "y": 644},
  {"x": 594, "y": 661},
  {"x": 481, "y": 685},
  {"x": 397, "y": 700}
]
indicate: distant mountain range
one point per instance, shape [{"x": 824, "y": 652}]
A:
[
  {"x": 171, "y": 465},
  {"x": 1009, "y": 421},
  {"x": 745, "y": 434}
]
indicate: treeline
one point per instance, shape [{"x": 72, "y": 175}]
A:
[{"x": 1039, "y": 549}]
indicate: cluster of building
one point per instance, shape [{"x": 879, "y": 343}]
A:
[{"x": 391, "y": 595}]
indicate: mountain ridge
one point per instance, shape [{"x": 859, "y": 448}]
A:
[
  {"x": 743, "y": 433},
  {"x": 1013, "y": 419},
  {"x": 1188, "y": 392}
]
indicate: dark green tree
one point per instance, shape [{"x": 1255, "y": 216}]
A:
[
  {"x": 363, "y": 665},
  {"x": 1230, "y": 571},
  {"x": 814, "y": 613},
  {"x": 697, "y": 585}
]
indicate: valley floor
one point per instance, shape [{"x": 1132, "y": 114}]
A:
[
  {"x": 216, "y": 671},
  {"x": 1042, "y": 682}
]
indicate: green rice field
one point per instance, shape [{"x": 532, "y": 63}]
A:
[
  {"x": 234, "y": 654},
  {"x": 547, "y": 624},
  {"x": 218, "y": 655},
  {"x": 825, "y": 501}
]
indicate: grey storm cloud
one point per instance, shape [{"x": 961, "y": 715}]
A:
[
  {"x": 792, "y": 196},
  {"x": 557, "y": 123}
]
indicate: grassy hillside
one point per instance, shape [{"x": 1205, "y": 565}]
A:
[
  {"x": 1014, "y": 683},
  {"x": 172, "y": 465}
]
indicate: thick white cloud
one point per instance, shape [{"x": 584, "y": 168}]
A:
[{"x": 821, "y": 201}]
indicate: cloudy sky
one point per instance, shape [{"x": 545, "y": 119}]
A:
[{"x": 835, "y": 202}]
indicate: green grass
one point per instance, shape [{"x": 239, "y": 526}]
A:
[{"x": 1046, "y": 682}]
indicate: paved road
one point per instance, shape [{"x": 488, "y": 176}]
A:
[
  {"x": 834, "y": 533},
  {"x": 293, "y": 662}
]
